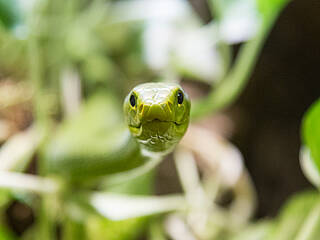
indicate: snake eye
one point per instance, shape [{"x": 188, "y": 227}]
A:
[
  {"x": 180, "y": 97},
  {"x": 132, "y": 100}
]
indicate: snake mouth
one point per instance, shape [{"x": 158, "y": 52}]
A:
[
  {"x": 153, "y": 121},
  {"x": 152, "y": 125},
  {"x": 157, "y": 130}
]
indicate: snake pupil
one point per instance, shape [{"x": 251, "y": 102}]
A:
[
  {"x": 180, "y": 97},
  {"x": 132, "y": 100}
]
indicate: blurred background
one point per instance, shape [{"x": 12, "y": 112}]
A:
[
  {"x": 86, "y": 50},
  {"x": 269, "y": 112},
  {"x": 267, "y": 116}
]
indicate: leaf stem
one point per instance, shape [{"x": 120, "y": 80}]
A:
[
  {"x": 28, "y": 183},
  {"x": 73, "y": 230},
  {"x": 310, "y": 224},
  {"x": 237, "y": 78}
]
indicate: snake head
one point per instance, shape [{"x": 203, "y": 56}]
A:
[{"x": 157, "y": 115}]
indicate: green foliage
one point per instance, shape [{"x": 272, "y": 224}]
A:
[
  {"x": 4, "y": 197},
  {"x": 99, "y": 228},
  {"x": 309, "y": 167},
  {"x": 235, "y": 78},
  {"x": 9, "y": 13},
  {"x": 270, "y": 7},
  {"x": 311, "y": 132},
  {"x": 6, "y": 234},
  {"x": 299, "y": 218},
  {"x": 141, "y": 185},
  {"x": 88, "y": 144},
  {"x": 257, "y": 231}
]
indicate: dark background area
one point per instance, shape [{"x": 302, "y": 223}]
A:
[{"x": 268, "y": 114}]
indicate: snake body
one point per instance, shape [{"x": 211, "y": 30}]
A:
[{"x": 97, "y": 142}]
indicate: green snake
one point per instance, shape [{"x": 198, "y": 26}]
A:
[{"x": 96, "y": 141}]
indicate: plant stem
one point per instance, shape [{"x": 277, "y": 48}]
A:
[
  {"x": 310, "y": 224},
  {"x": 27, "y": 182},
  {"x": 117, "y": 178},
  {"x": 36, "y": 77},
  {"x": 45, "y": 225},
  {"x": 73, "y": 230},
  {"x": 156, "y": 231},
  {"x": 233, "y": 84}
]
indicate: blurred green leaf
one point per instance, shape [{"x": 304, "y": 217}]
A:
[
  {"x": 121, "y": 206},
  {"x": 99, "y": 69},
  {"x": 81, "y": 42},
  {"x": 141, "y": 185},
  {"x": 9, "y": 13},
  {"x": 271, "y": 7},
  {"x": 6, "y": 234},
  {"x": 311, "y": 132},
  {"x": 92, "y": 143},
  {"x": 99, "y": 228},
  {"x": 122, "y": 202},
  {"x": 230, "y": 87},
  {"x": 12, "y": 53},
  {"x": 308, "y": 167},
  {"x": 156, "y": 230},
  {"x": 299, "y": 219},
  {"x": 257, "y": 231},
  {"x": 17, "y": 152},
  {"x": 5, "y": 197},
  {"x": 74, "y": 230}
]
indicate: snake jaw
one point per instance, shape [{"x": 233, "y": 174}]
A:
[{"x": 137, "y": 129}]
